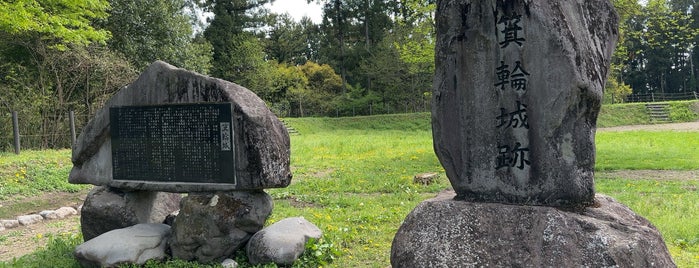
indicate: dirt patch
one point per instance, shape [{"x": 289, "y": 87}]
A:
[
  {"x": 689, "y": 126},
  {"x": 23, "y": 240},
  {"x": 33, "y": 204},
  {"x": 297, "y": 203},
  {"x": 652, "y": 174}
]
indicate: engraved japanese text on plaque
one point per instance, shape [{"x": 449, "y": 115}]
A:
[{"x": 190, "y": 143}]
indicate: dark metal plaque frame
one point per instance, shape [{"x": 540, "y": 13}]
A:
[{"x": 185, "y": 143}]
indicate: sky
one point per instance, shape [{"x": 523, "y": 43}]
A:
[{"x": 298, "y": 8}]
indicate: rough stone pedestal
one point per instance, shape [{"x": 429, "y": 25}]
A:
[
  {"x": 210, "y": 227},
  {"x": 107, "y": 209},
  {"x": 443, "y": 232}
]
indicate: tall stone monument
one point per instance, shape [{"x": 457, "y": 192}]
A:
[
  {"x": 517, "y": 91},
  {"x": 518, "y": 88}
]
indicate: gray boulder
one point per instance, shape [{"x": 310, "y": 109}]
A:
[
  {"x": 261, "y": 140},
  {"x": 443, "y": 232},
  {"x": 65, "y": 212},
  {"x": 106, "y": 209},
  {"x": 49, "y": 214},
  {"x": 518, "y": 87},
  {"x": 133, "y": 245},
  {"x": 210, "y": 227},
  {"x": 30, "y": 219},
  {"x": 9, "y": 223},
  {"x": 282, "y": 242}
]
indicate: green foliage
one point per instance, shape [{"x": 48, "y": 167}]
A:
[
  {"x": 656, "y": 45},
  {"x": 293, "y": 42},
  {"x": 61, "y": 22},
  {"x": 146, "y": 31},
  {"x": 615, "y": 92},
  {"x": 318, "y": 253},
  {"x": 243, "y": 63},
  {"x": 235, "y": 49},
  {"x": 43, "y": 84},
  {"x": 682, "y": 111}
]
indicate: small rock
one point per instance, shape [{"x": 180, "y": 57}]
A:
[
  {"x": 29, "y": 219},
  {"x": 2, "y": 228},
  {"x": 9, "y": 224},
  {"x": 65, "y": 212},
  {"x": 425, "y": 178},
  {"x": 170, "y": 219},
  {"x": 282, "y": 242},
  {"x": 133, "y": 245},
  {"x": 49, "y": 214},
  {"x": 228, "y": 263}
]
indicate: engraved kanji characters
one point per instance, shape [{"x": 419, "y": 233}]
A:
[
  {"x": 513, "y": 78},
  {"x": 515, "y": 119},
  {"x": 517, "y": 78},
  {"x": 511, "y": 30},
  {"x": 516, "y": 156}
]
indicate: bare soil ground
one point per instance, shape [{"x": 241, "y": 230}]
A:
[
  {"x": 690, "y": 126},
  {"x": 23, "y": 240}
]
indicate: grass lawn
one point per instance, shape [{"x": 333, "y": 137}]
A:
[{"x": 353, "y": 178}]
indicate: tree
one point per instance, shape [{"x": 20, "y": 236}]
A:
[
  {"x": 146, "y": 31},
  {"x": 52, "y": 61},
  {"x": 232, "y": 23},
  {"x": 616, "y": 89},
  {"x": 659, "y": 43},
  {"x": 286, "y": 43},
  {"x": 56, "y": 22}
]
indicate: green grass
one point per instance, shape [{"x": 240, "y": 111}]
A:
[
  {"x": 57, "y": 253},
  {"x": 684, "y": 111},
  {"x": 33, "y": 172},
  {"x": 30, "y": 174},
  {"x": 622, "y": 115},
  {"x": 636, "y": 114},
  {"x": 647, "y": 150},
  {"x": 353, "y": 179},
  {"x": 670, "y": 205}
]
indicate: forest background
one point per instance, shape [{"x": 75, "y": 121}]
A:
[{"x": 364, "y": 57}]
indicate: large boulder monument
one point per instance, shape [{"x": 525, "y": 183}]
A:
[
  {"x": 517, "y": 92},
  {"x": 169, "y": 132}
]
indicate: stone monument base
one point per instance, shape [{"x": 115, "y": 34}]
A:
[{"x": 442, "y": 232}]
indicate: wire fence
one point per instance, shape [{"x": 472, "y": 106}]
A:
[
  {"x": 53, "y": 132},
  {"x": 657, "y": 97}
]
